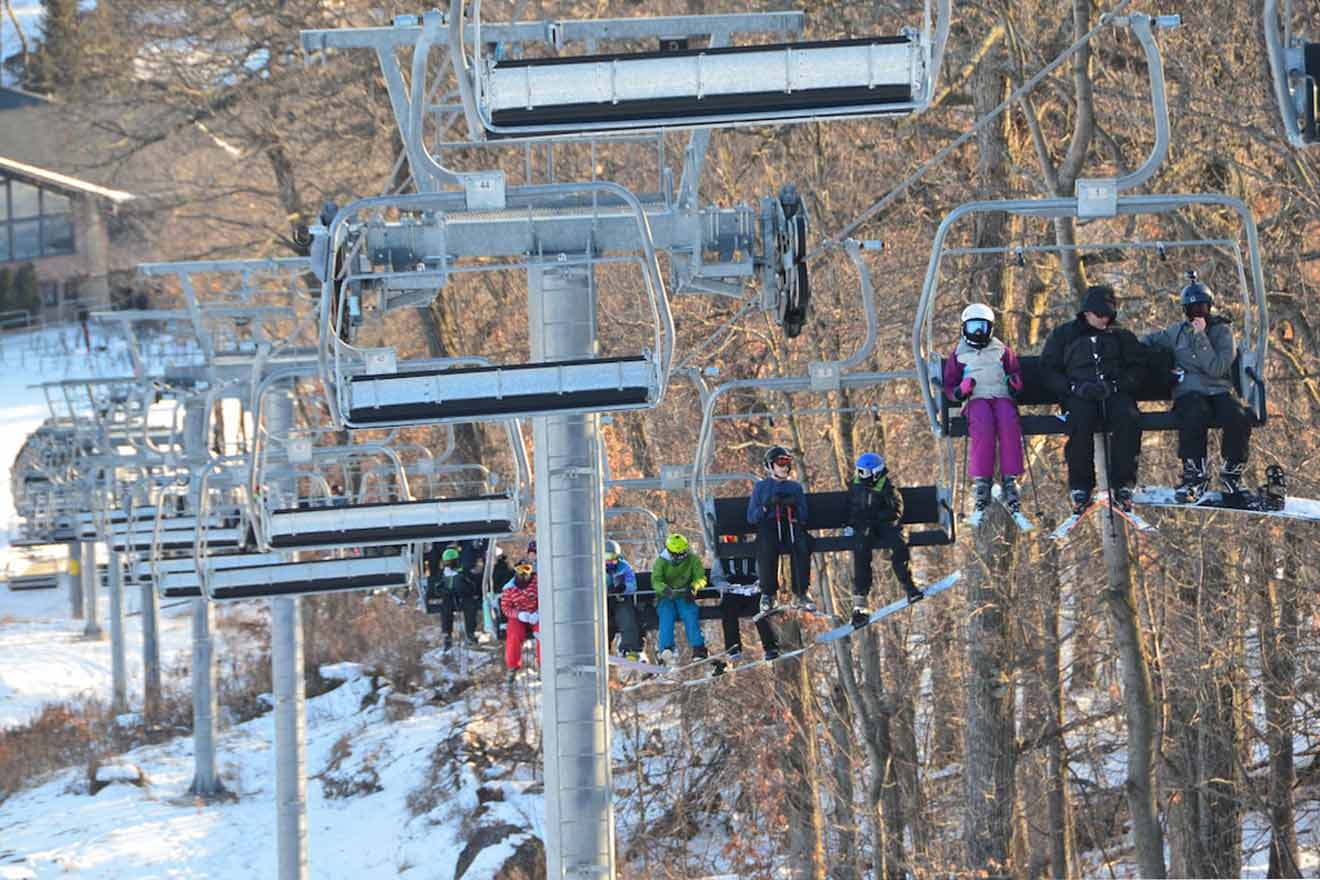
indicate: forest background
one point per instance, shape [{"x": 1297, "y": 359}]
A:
[{"x": 1053, "y": 716}]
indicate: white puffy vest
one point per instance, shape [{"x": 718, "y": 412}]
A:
[{"x": 986, "y": 366}]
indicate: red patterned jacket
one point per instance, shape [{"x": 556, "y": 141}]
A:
[{"x": 515, "y": 598}]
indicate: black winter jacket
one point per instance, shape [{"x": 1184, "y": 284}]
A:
[
  {"x": 1076, "y": 352},
  {"x": 878, "y": 503}
]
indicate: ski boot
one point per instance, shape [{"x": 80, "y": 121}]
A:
[
  {"x": 980, "y": 500},
  {"x": 804, "y": 603},
  {"x": 1230, "y": 479},
  {"x": 767, "y": 603},
  {"x": 860, "y": 613},
  {"x": 1012, "y": 500},
  {"x": 700, "y": 652},
  {"x": 1274, "y": 494},
  {"x": 511, "y": 677},
  {"x": 449, "y": 643},
  {"x": 1194, "y": 482},
  {"x": 718, "y": 667},
  {"x": 1081, "y": 499},
  {"x": 1123, "y": 495}
]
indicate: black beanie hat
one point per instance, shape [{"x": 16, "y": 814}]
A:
[{"x": 1100, "y": 300}]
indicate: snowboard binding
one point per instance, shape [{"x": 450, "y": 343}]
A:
[{"x": 1274, "y": 494}]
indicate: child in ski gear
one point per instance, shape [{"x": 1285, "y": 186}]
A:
[
  {"x": 778, "y": 509},
  {"x": 875, "y": 509},
  {"x": 676, "y": 577},
  {"x": 983, "y": 375},
  {"x": 519, "y": 602},
  {"x": 455, "y": 590},
  {"x": 1096, "y": 367},
  {"x": 1203, "y": 350},
  {"x": 621, "y": 604},
  {"x": 739, "y": 597}
]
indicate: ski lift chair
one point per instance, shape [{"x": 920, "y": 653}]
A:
[
  {"x": 1098, "y": 202},
  {"x": 404, "y": 263},
  {"x": 1295, "y": 67},
  {"x": 724, "y": 519},
  {"x": 681, "y": 84},
  {"x": 288, "y": 518}
]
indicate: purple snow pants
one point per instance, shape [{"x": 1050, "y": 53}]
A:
[{"x": 988, "y": 419}]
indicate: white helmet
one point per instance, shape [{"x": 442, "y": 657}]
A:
[
  {"x": 978, "y": 323},
  {"x": 978, "y": 310}
]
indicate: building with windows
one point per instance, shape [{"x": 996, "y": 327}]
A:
[{"x": 56, "y": 222}]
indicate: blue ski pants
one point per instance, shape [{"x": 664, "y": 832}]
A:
[{"x": 669, "y": 610}]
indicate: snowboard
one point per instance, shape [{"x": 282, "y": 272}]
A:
[
  {"x": 848, "y": 629},
  {"x": 1250, "y": 502},
  {"x": 663, "y": 675}
]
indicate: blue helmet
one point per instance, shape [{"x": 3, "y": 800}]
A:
[{"x": 870, "y": 465}]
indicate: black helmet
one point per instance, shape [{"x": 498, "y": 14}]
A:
[
  {"x": 1195, "y": 293},
  {"x": 774, "y": 454}
]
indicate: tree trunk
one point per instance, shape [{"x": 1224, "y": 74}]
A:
[
  {"x": 989, "y": 742},
  {"x": 806, "y": 826},
  {"x": 845, "y": 767},
  {"x": 1138, "y": 696},
  {"x": 1278, "y": 653}
]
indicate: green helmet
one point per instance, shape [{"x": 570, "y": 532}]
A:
[
  {"x": 676, "y": 543},
  {"x": 449, "y": 555}
]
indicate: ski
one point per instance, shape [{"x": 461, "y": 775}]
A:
[
  {"x": 973, "y": 519},
  {"x": 787, "y": 606},
  {"x": 894, "y": 607},
  {"x": 1019, "y": 518},
  {"x": 1068, "y": 524},
  {"x": 749, "y": 664},
  {"x": 1137, "y": 522},
  {"x": 669, "y": 675},
  {"x": 637, "y": 665}
]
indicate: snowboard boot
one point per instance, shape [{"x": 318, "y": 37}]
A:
[
  {"x": 1012, "y": 500},
  {"x": 449, "y": 643},
  {"x": 1274, "y": 494},
  {"x": 700, "y": 652},
  {"x": 718, "y": 667},
  {"x": 860, "y": 614},
  {"x": 771, "y": 653},
  {"x": 804, "y": 603},
  {"x": 1123, "y": 495},
  {"x": 767, "y": 603},
  {"x": 981, "y": 494},
  {"x": 913, "y": 594},
  {"x": 1193, "y": 483},
  {"x": 1231, "y": 478},
  {"x": 1081, "y": 499}
]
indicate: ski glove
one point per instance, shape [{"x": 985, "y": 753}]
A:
[
  {"x": 532, "y": 617},
  {"x": 1014, "y": 384},
  {"x": 1096, "y": 391},
  {"x": 965, "y": 389}
]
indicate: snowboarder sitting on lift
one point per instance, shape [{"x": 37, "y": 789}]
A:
[
  {"x": 1094, "y": 367},
  {"x": 621, "y": 606},
  {"x": 778, "y": 509},
  {"x": 1203, "y": 349},
  {"x": 875, "y": 508},
  {"x": 520, "y": 605},
  {"x": 676, "y": 577},
  {"x": 455, "y": 590},
  {"x": 983, "y": 375}
]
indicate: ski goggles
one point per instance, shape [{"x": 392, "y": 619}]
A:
[
  {"x": 1197, "y": 310},
  {"x": 783, "y": 461},
  {"x": 868, "y": 473},
  {"x": 523, "y": 570},
  {"x": 611, "y": 560},
  {"x": 976, "y": 327}
]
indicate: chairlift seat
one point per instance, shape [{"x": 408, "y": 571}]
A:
[
  {"x": 829, "y": 511},
  {"x": 393, "y": 522},
  {"x": 731, "y": 85},
  {"x": 179, "y": 578},
  {"x": 1311, "y": 93},
  {"x": 467, "y": 394},
  {"x": 1157, "y": 387},
  {"x": 144, "y": 535},
  {"x": 310, "y": 577}
]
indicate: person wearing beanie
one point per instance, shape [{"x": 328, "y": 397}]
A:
[{"x": 1095, "y": 368}]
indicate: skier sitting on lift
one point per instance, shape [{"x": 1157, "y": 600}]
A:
[
  {"x": 1202, "y": 348},
  {"x": 983, "y": 375},
  {"x": 875, "y": 508},
  {"x": 736, "y": 581},
  {"x": 1094, "y": 367},
  {"x": 778, "y": 509},
  {"x": 621, "y": 606},
  {"x": 676, "y": 577}
]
